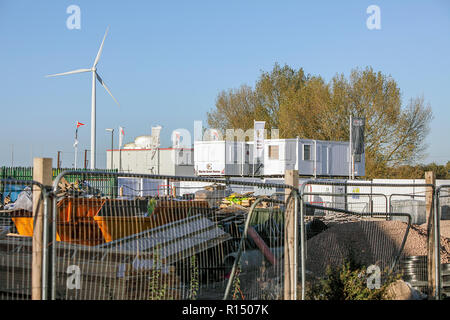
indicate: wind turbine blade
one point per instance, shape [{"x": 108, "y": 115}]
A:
[
  {"x": 69, "y": 72},
  {"x": 104, "y": 86},
  {"x": 101, "y": 49}
]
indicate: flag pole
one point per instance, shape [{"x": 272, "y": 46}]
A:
[
  {"x": 121, "y": 134},
  {"x": 350, "y": 151},
  {"x": 75, "y": 145}
]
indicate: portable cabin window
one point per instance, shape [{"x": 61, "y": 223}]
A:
[
  {"x": 274, "y": 152},
  {"x": 306, "y": 152}
]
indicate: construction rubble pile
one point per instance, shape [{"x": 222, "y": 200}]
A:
[
  {"x": 367, "y": 242},
  {"x": 77, "y": 189},
  {"x": 332, "y": 238},
  {"x": 23, "y": 202}
]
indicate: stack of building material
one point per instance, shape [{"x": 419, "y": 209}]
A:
[
  {"x": 76, "y": 188},
  {"x": 245, "y": 200},
  {"x": 213, "y": 194},
  {"x": 233, "y": 212},
  {"x": 173, "y": 241}
]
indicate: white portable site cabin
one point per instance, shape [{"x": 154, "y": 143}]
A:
[
  {"x": 223, "y": 158},
  {"x": 314, "y": 158},
  {"x": 310, "y": 158}
]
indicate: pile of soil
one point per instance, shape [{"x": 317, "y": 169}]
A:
[
  {"x": 368, "y": 242},
  {"x": 445, "y": 228}
]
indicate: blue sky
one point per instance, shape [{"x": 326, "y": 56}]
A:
[{"x": 166, "y": 61}]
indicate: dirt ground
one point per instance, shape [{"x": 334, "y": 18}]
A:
[{"x": 370, "y": 242}]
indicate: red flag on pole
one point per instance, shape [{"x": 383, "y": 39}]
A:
[{"x": 79, "y": 124}]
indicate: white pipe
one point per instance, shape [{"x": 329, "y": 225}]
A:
[
  {"x": 350, "y": 151},
  {"x": 353, "y": 166},
  {"x": 328, "y": 160},
  {"x": 315, "y": 159},
  {"x": 93, "y": 119},
  {"x": 120, "y": 159},
  {"x": 225, "y": 148},
  {"x": 76, "y": 151},
  {"x": 242, "y": 158}
]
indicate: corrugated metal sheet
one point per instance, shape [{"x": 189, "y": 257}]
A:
[{"x": 174, "y": 241}]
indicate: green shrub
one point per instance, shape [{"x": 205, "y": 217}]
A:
[
  {"x": 194, "y": 280},
  {"x": 348, "y": 282},
  {"x": 156, "y": 285}
]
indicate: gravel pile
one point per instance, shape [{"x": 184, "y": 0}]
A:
[
  {"x": 369, "y": 242},
  {"x": 445, "y": 228}
]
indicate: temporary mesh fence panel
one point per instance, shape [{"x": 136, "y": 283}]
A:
[
  {"x": 103, "y": 185},
  {"x": 129, "y": 236},
  {"x": 16, "y": 233},
  {"x": 443, "y": 198},
  {"x": 374, "y": 244},
  {"x": 155, "y": 237}
]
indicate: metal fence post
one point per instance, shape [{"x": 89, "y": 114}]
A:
[
  {"x": 53, "y": 240},
  {"x": 431, "y": 224},
  {"x": 302, "y": 245},
  {"x": 437, "y": 242}
]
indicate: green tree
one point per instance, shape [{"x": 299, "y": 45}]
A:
[{"x": 308, "y": 107}]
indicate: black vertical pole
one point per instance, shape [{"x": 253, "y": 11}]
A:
[{"x": 85, "y": 159}]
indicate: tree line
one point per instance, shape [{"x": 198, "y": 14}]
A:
[
  {"x": 418, "y": 171},
  {"x": 306, "y": 106}
]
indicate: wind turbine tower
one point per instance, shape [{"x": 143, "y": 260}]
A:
[{"x": 95, "y": 76}]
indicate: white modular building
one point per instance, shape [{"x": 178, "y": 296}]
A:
[
  {"x": 223, "y": 158},
  {"x": 310, "y": 158},
  {"x": 163, "y": 161},
  {"x": 144, "y": 155},
  {"x": 315, "y": 158}
]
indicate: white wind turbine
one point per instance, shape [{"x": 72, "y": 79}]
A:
[{"x": 93, "y": 99}]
